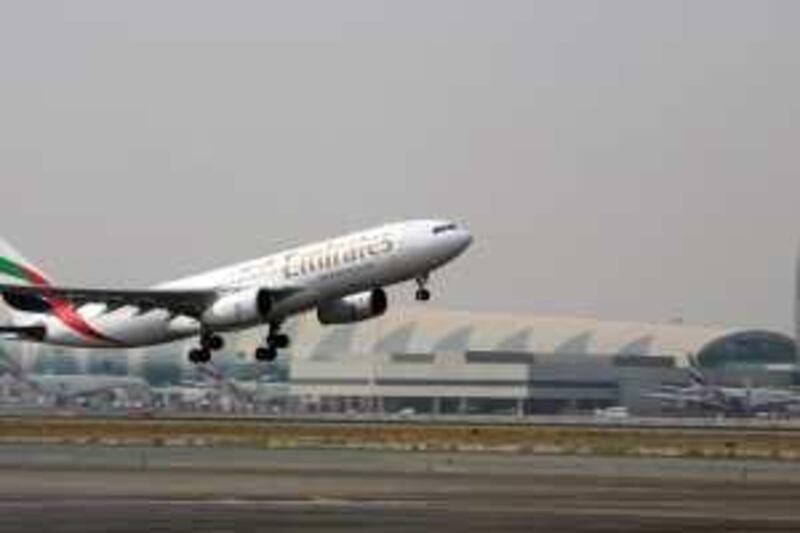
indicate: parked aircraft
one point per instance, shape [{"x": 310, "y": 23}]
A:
[
  {"x": 237, "y": 393},
  {"x": 60, "y": 389},
  {"x": 739, "y": 401}
]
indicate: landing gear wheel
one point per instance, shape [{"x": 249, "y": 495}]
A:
[
  {"x": 423, "y": 295},
  {"x": 279, "y": 341},
  {"x": 266, "y": 354},
  {"x": 212, "y": 342},
  {"x": 199, "y": 355}
]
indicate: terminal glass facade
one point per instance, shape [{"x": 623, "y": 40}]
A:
[{"x": 748, "y": 348}]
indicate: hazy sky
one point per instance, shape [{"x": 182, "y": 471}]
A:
[{"x": 621, "y": 159}]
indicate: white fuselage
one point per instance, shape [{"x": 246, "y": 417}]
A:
[{"x": 315, "y": 274}]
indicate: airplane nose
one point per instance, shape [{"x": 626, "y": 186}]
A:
[
  {"x": 445, "y": 241},
  {"x": 462, "y": 241},
  {"x": 465, "y": 239}
]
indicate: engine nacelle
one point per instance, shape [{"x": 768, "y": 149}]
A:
[
  {"x": 353, "y": 308},
  {"x": 240, "y": 308}
]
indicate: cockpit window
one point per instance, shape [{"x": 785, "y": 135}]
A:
[{"x": 444, "y": 228}]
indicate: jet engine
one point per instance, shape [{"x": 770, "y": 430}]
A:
[
  {"x": 353, "y": 308},
  {"x": 239, "y": 308}
]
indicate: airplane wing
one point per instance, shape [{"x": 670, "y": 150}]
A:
[
  {"x": 179, "y": 302},
  {"x": 188, "y": 302},
  {"x": 775, "y": 404},
  {"x": 677, "y": 397},
  {"x": 772, "y": 399},
  {"x": 686, "y": 398}
]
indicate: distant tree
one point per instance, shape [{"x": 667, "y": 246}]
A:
[
  {"x": 228, "y": 363},
  {"x": 110, "y": 364},
  {"x": 280, "y": 370},
  {"x": 56, "y": 362},
  {"x": 276, "y": 371},
  {"x": 6, "y": 361},
  {"x": 161, "y": 370}
]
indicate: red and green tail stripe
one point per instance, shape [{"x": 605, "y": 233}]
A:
[
  {"x": 23, "y": 273},
  {"x": 62, "y": 309}
]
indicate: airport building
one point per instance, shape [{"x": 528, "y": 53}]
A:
[
  {"x": 422, "y": 359},
  {"x": 456, "y": 362}
]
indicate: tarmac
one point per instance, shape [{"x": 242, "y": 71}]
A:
[{"x": 237, "y": 489}]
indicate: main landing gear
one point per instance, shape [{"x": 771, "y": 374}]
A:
[
  {"x": 209, "y": 342},
  {"x": 422, "y": 294},
  {"x": 275, "y": 341}
]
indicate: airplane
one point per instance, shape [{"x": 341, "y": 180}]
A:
[
  {"x": 243, "y": 391},
  {"x": 343, "y": 278},
  {"x": 63, "y": 388},
  {"x": 739, "y": 401}
]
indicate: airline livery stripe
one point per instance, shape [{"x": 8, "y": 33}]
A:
[
  {"x": 12, "y": 269},
  {"x": 70, "y": 317},
  {"x": 65, "y": 312}
]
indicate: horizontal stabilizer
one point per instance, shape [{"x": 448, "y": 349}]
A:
[{"x": 24, "y": 333}]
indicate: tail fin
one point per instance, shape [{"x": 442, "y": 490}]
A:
[
  {"x": 697, "y": 377},
  {"x": 695, "y": 374},
  {"x": 11, "y": 365},
  {"x": 16, "y": 270}
]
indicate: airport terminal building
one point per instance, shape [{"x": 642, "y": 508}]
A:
[
  {"x": 427, "y": 360},
  {"x": 437, "y": 361}
]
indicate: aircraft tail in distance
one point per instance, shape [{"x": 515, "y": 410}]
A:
[{"x": 697, "y": 376}]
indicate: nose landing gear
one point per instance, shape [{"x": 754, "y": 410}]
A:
[{"x": 422, "y": 294}]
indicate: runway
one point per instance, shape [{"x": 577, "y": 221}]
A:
[{"x": 95, "y": 488}]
